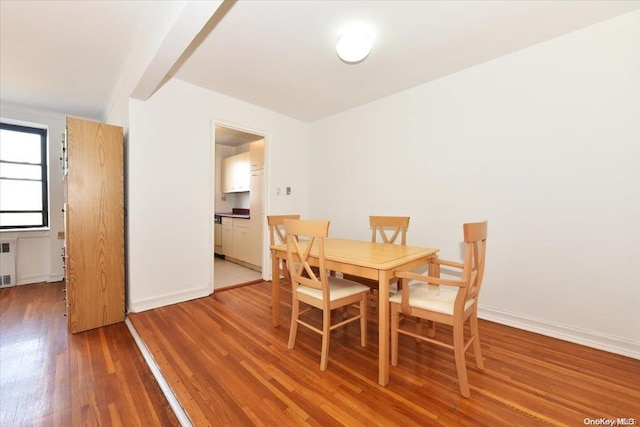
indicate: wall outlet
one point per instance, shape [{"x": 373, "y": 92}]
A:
[
  {"x": 61, "y": 235},
  {"x": 288, "y": 191}
]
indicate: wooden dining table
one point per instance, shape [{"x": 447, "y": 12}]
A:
[{"x": 377, "y": 261}]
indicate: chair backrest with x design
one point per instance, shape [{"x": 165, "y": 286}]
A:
[
  {"x": 276, "y": 227},
  {"x": 277, "y": 236},
  {"x": 389, "y": 228},
  {"x": 313, "y": 234}
]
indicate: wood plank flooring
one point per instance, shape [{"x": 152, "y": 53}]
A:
[
  {"x": 52, "y": 378},
  {"x": 229, "y": 367}
]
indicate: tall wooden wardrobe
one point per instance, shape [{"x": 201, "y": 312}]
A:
[{"x": 93, "y": 167}]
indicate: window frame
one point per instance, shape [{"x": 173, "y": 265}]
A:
[{"x": 43, "y": 133}]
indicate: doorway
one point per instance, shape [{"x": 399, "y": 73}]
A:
[{"x": 239, "y": 214}]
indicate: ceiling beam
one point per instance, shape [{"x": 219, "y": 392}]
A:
[{"x": 179, "y": 41}]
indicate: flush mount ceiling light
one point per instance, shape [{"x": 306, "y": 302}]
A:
[{"x": 353, "y": 46}]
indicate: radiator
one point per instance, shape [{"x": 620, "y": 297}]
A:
[{"x": 8, "y": 262}]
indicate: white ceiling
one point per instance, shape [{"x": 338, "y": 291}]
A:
[
  {"x": 72, "y": 56},
  {"x": 48, "y": 63}
]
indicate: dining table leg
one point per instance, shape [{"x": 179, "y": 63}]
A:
[
  {"x": 275, "y": 290},
  {"x": 383, "y": 327}
]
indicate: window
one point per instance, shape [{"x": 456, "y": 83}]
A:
[{"x": 24, "y": 202}]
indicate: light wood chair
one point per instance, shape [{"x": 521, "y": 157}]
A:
[
  {"x": 277, "y": 237},
  {"x": 381, "y": 225},
  {"x": 451, "y": 301},
  {"x": 389, "y": 229},
  {"x": 320, "y": 291}
]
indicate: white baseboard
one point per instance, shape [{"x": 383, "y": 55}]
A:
[
  {"x": 27, "y": 280},
  {"x": 168, "y": 299},
  {"x": 564, "y": 332},
  {"x": 182, "y": 416},
  {"x": 49, "y": 278}
]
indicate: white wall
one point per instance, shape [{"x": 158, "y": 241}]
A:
[
  {"x": 170, "y": 186},
  {"x": 544, "y": 144},
  {"x": 39, "y": 252}
]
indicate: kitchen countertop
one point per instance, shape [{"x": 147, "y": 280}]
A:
[
  {"x": 232, "y": 215},
  {"x": 241, "y": 213}
]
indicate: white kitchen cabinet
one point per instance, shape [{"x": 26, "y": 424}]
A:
[
  {"x": 242, "y": 238},
  {"x": 217, "y": 238},
  {"x": 228, "y": 170},
  {"x": 235, "y": 173},
  {"x": 228, "y": 247},
  {"x": 243, "y": 172},
  {"x": 256, "y": 154},
  {"x": 239, "y": 240}
]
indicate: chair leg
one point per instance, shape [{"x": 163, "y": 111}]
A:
[
  {"x": 458, "y": 349},
  {"x": 476, "y": 341},
  {"x": 432, "y": 329},
  {"x": 363, "y": 321},
  {"x": 326, "y": 332},
  {"x": 293, "y": 330},
  {"x": 395, "y": 319}
]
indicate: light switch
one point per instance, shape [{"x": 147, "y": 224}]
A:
[{"x": 288, "y": 191}]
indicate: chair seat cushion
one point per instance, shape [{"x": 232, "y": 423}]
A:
[
  {"x": 431, "y": 297},
  {"x": 338, "y": 288}
]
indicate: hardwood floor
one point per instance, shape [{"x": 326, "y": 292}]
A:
[
  {"x": 229, "y": 367},
  {"x": 49, "y": 377}
]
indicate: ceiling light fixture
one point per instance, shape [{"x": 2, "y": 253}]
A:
[{"x": 354, "y": 46}]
